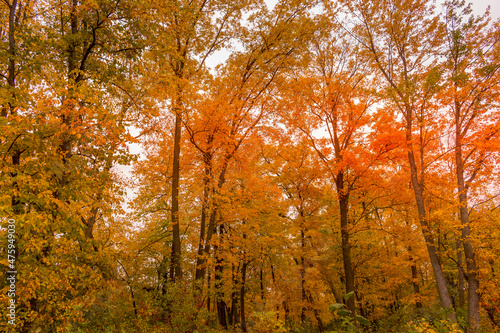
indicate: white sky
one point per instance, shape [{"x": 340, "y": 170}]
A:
[{"x": 480, "y": 6}]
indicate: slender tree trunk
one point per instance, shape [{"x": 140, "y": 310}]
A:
[
  {"x": 470, "y": 259},
  {"x": 416, "y": 287},
  {"x": 343, "y": 198},
  {"x": 242, "y": 297},
  {"x": 234, "y": 295},
  {"x": 175, "y": 263},
  {"x": 209, "y": 299},
  {"x": 461, "y": 285},
  {"x": 261, "y": 283},
  {"x": 204, "y": 209},
  {"x": 219, "y": 292},
  {"x": 442, "y": 288},
  {"x": 414, "y": 272},
  {"x": 302, "y": 271},
  {"x": 201, "y": 260}
]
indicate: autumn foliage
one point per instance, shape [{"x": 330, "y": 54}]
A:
[{"x": 215, "y": 165}]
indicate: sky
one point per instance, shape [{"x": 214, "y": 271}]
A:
[{"x": 480, "y": 6}]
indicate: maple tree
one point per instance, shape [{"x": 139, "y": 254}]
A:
[
  {"x": 409, "y": 68},
  {"x": 472, "y": 89},
  {"x": 330, "y": 93}
]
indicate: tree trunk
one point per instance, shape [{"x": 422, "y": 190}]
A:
[
  {"x": 442, "y": 288},
  {"x": 219, "y": 293},
  {"x": 261, "y": 283},
  {"x": 175, "y": 263},
  {"x": 461, "y": 286},
  {"x": 343, "y": 198},
  {"x": 204, "y": 209},
  {"x": 208, "y": 296},
  {"x": 201, "y": 260},
  {"x": 302, "y": 270},
  {"x": 233, "y": 319},
  {"x": 470, "y": 259},
  {"x": 242, "y": 297},
  {"x": 416, "y": 287}
]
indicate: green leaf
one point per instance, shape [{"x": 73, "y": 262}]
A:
[
  {"x": 343, "y": 312},
  {"x": 362, "y": 320},
  {"x": 336, "y": 306},
  {"x": 348, "y": 295}
]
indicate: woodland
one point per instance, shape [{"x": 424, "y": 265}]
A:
[{"x": 240, "y": 166}]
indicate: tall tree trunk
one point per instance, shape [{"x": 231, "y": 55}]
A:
[
  {"x": 261, "y": 283},
  {"x": 461, "y": 285},
  {"x": 302, "y": 270},
  {"x": 343, "y": 198},
  {"x": 203, "y": 225},
  {"x": 470, "y": 259},
  {"x": 242, "y": 297},
  {"x": 413, "y": 268},
  {"x": 233, "y": 319},
  {"x": 209, "y": 299},
  {"x": 201, "y": 261},
  {"x": 211, "y": 229},
  {"x": 175, "y": 263},
  {"x": 414, "y": 278},
  {"x": 219, "y": 292},
  {"x": 442, "y": 288}
]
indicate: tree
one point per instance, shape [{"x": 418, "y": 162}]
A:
[
  {"x": 392, "y": 34},
  {"x": 329, "y": 96},
  {"x": 185, "y": 35},
  {"x": 230, "y": 115},
  {"x": 472, "y": 77},
  {"x": 64, "y": 185}
]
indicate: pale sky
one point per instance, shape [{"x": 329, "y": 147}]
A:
[{"x": 480, "y": 6}]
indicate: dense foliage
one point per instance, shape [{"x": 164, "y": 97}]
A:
[{"x": 336, "y": 171}]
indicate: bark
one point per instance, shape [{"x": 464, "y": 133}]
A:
[
  {"x": 209, "y": 300},
  {"x": 175, "y": 263},
  {"x": 416, "y": 287},
  {"x": 261, "y": 283},
  {"x": 461, "y": 286},
  {"x": 233, "y": 318},
  {"x": 470, "y": 259},
  {"x": 219, "y": 293},
  {"x": 302, "y": 271},
  {"x": 204, "y": 209},
  {"x": 201, "y": 260},
  {"x": 242, "y": 297},
  {"x": 343, "y": 198},
  {"x": 442, "y": 288}
]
